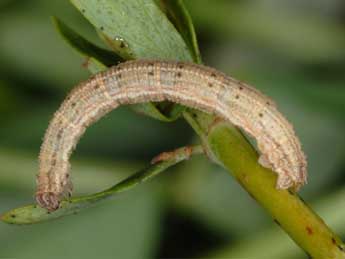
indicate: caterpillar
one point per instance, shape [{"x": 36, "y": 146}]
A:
[{"x": 192, "y": 85}]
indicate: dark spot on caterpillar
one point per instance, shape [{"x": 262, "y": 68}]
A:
[
  {"x": 333, "y": 241},
  {"x": 150, "y": 73},
  {"x": 237, "y": 96},
  {"x": 96, "y": 87},
  {"x": 13, "y": 216},
  {"x": 48, "y": 212},
  {"x": 102, "y": 28},
  {"x": 122, "y": 45},
  {"x": 210, "y": 84},
  {"x": 309, "y": 230},
  {"x": 83, "y": 10},
  {"x": 59, "y": 134},
  {"x": 277, "y": 222},
  {"x": 261, "y": 115},
  {"x": 179, "y": 74},
  {"x": 268, "y": 103},
  {"x": 241, "y": 88},
  {"x": 194, "y": 115},
  {"x": 213, "y": 75},
  {"x": 180, "y": 66},
  {"x": 119, "y": 75},
  {"x": 73, "y": 104},
  {"x": 151, "y": 64},
  {"x": 54, "y": 162},
  {"x": 67, "y": 176}
]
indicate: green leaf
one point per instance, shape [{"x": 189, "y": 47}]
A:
[
  {"x": 154, "y": 110},
  {"x": 140, "y": 25},
  {"x": 99, "y": 59},
  {"x": 85, "y": 47},
  {"x": 33, "y": 214},
  {"x": 180, "y": 17}
]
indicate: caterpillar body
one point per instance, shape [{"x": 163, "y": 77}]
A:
[{"x": 192, "y": 85}]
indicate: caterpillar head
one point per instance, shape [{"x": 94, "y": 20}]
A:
[{"x": 48, "y": 200}]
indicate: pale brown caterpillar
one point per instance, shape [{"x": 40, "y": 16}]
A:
[{"x": 191, "y": 85}]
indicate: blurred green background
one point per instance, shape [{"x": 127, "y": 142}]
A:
[{"x": 294, "y": 51}]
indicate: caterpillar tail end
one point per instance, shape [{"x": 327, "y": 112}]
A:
[
  {"x": 48, "y": 200},
  {"x": 285, "y": 180}
]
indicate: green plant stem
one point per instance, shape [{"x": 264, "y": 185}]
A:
[
  {"x": 33, "y": 214},
  {"x": 259, "y": 245},
  {"x": 231, "y": 149}
]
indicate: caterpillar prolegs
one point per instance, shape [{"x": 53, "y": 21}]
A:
[{"x": 192, "y": 85}]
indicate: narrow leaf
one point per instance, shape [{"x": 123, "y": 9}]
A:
[
  {"x": 180, "y": 17},
  {"x": 85, "y": 47},
  {"x": 33, "y": 214},
  {"x": 139, "y": 24}
]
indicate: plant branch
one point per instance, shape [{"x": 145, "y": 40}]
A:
[{"x": 288, "y": 210}]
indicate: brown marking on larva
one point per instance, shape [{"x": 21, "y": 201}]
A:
[
  {"x": 59, "y": 134},
  {"x": 334, "y": 241},
  {"x": 83, "y": 10},
  {"x": 73, "y": 104},
  {"x": 96, "y": 87},
  {"x": 102, "y": 28},
  {"x": 210, "y": 84},
  {"x": 122, "y": 45},
  {"x": 151, "y": 73},
  {"x": 268, "y": 103},
  {"x": 309, "y": 230},
  {"x": 237, "y": 96},
  {"x": 53, "y": 161},
  {"x": 261, "y": 115},
  {"x": 292, "y": 173},
  {"x": 277, "y": 222},
  {"x": 13, "y": 216}
]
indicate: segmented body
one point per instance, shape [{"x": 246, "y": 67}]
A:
[{"x": 195, "y": 86}]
